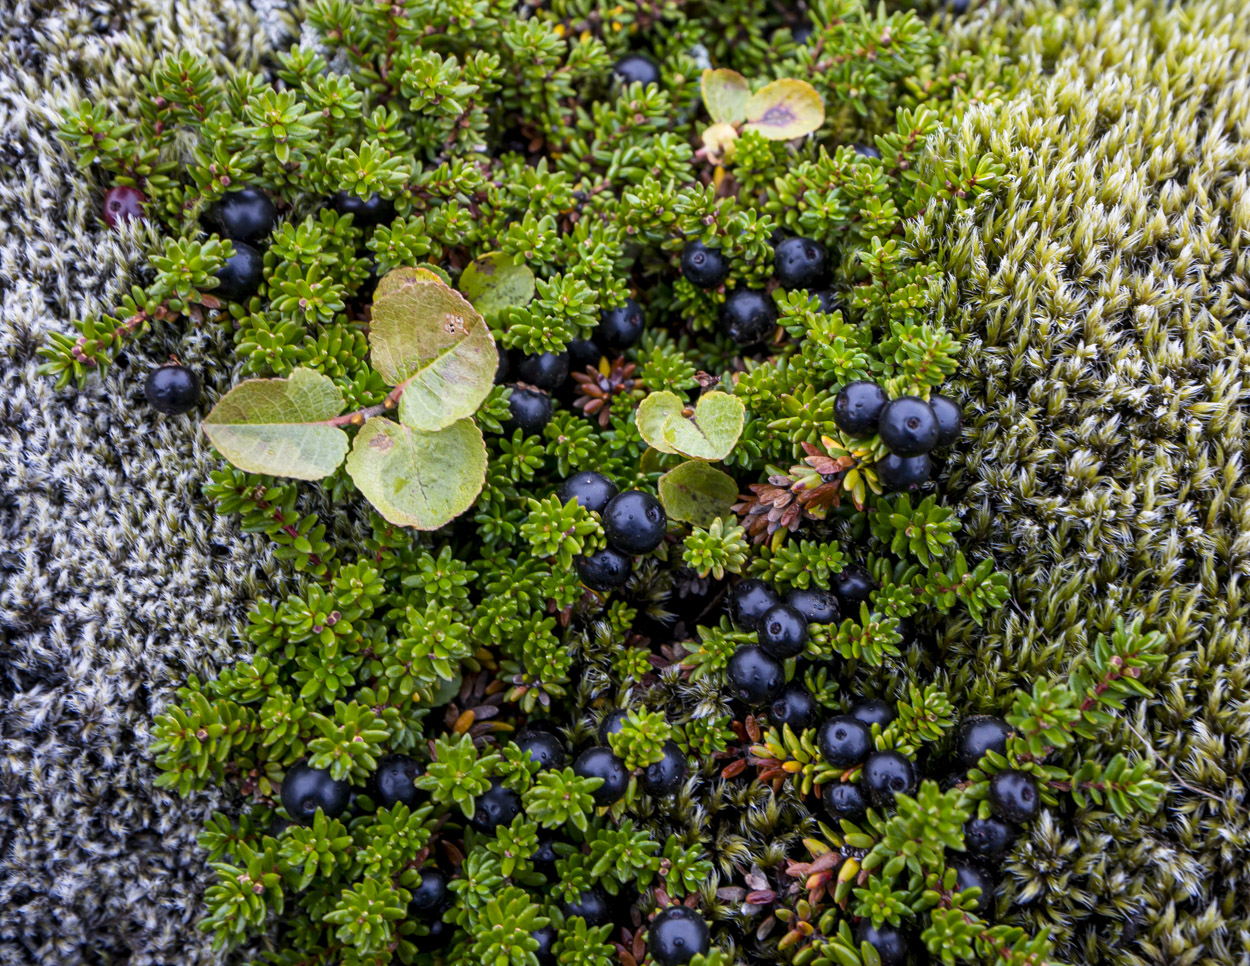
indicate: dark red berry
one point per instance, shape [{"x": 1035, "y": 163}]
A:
[{"x": 123, "y": 203}]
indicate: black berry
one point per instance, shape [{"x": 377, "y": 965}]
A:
[
  {"x": 123, "y": 203},
  {"x": 637, "y": 69},
  {"x": 756, "y": 678},
  {"x": 886, "y": 774},
  {"x": 749, "y": 601},
  {"x": 853, "y": 585},
  {"x": 1014, "y": 796},
  {"x": 620, "y": 327},
  {"x": 795, "y": 707},
  {"x": 498, "y": 806},
  {"x": 611, "y": 724},
  {"x": 431, "y": 895},
  {"x": 544, "y": 858},
  {"x": 246, "y": 215},
  {"x": 783, "y": 632},
  {"x": 842, "y": 800},
  {"x": 546, "y": 370},
  {"x": 989, "y": 838},
  {"x": 591, "y": 905},
  {"x": 241, "y": 275},
  {"x": 544, "y": 747},
  {"x": 968, "y": 876},
  {"x": 600, "y": 762},
  {"x": 950, "y": 419},
  {"x": 604, "y": 569},
  {"x": 866, "y": 151},
  {"x": 438, "y": 934},
  {"x": 365, "y": 212},
  {"x": 592, "y": 490},
  {"x": 873, "y": 711},
  {"x": 546, "y": 937},
  {"x": 829, "y": 301},
  {"x": 817, "y": 606},
  {"x": 172, "y": 390},
  {"x": 889, "y": 941},
  {"x": 530, "y": 409},
  {"x": 748, "y": 316},
  {"x": 677, "y": 935},
  {"x": 844, "y": 741},
  {"x": 306, "y": 789},
  {"x": 501, "y": 368},
  {"x": 801, "y": 263},
  {"x": 583, "y": 354},
  {"x": 392, "y": 783},
  {"x": 666, "y": 775},
  {"x": 704, "y": 267},
  {"x": 907, "y": 426},
  {"x": 899, "y": 474},
  {"x": 857, "y": 407},
  {"x": 978, "y": 735},
  {"x": 635, "y": 522}
]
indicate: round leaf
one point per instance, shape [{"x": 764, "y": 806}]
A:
[
  {"x": 280, "y": 427},
  {"x": 785, "y": 109},
  {"x": 426, "y": 338},
  {"x": 418, "y": 479},
  {"x": 697, "y": 493},
  {"x": 720, "y": 139},
  {"x": 494, "y": 281},
  {"x": 725, "y": 94},
  {"x": 653, "y": 413}
]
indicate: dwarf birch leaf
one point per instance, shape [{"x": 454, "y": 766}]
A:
[
  {"x": 720, "y": 139},
  {"x": 280, "y": 427},
  {"x": 725, "y": 95},
  {"x": 711, "y": 432},
  {"x": 494, "y": 281},
  {"x": 785, "y": 109},
  {"x": 418, "y": 479},
  {"x": 653, "y": 413},
  {"x": 426, "y": 338},
  {"x": 697, "y": 493}
]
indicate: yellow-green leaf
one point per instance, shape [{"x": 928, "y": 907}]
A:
[
  {"x": 495, "y": 281},
  {"x": 709, "y": 432},
  {"x": 719, "y": 140},
  {"x": 280, "y": 427},
  {"x": 785, "y": 109},
  {"x": 697, "y": 493},
  {"x": 418, "y": 479},
  {"x": 425, "y": 337},
  {"x": 725, "y": 95}
]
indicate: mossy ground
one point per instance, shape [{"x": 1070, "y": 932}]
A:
[{"x": 1104, "y": 294}]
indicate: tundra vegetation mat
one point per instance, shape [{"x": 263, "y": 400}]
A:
[{"x": 683, "y": 658}]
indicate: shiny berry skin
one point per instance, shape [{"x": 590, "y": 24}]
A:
[
  {"x": 749, "y": 601},
  {"x": 592, "y": 490},
  {"x": 637, "y": 69},
  {"x": 600, "y": 762},
  {"x": 306, "y": 789},
  {"x": 431, "y": 895},
  {"x": 898, "y": 474},
  {"x": 968, "y": 876},
  {"x": 246, "y": 215},
  {"x": 591, "y": 905},
  {"x": 886, "y": 774},
  {"x": 853, "y": 585},
  {"x": 543, "y": 747},
  {"x": 842, "y": 800},
  {"x": 829, "y": 301},
  {"x": 546, "y": 370},
  {"x": 801, "y": 263},
  {"x": 635, "y": 522},
  {"x": 546, "y": 951},
  {"x": 794, "y": 706},
  {"x": 703, "y": 267},
  {"x": 498, "y": 806},
  {"x": 989, "y": 838},
  {"x": 676, "y": 936},
  {"x": 748, "y": 316},
  {"x": 438, "y": 935},
  {"x": 950, "y": 419},
  {"x": 857, "y": 407},
  {"x": 783, "y": 632},
  {"x": 611, "y": 724},
  {"x": 889, "y": 941},
  {"x": 843, "y": 741},
  {"x": 866, "y": 151},
  {"x": 583, "y": 354},
  {"x": 907, "y": 426},
  {"x": 392, "y": 783},
  {"x": 123, "y": 203},
  {"x": 755, "y": 677},
  {"x": 501, "y": 368},
  {"x": 240, "y": 277},
  {"x": 172, "y": 390},
  {"x": 978, "y": 735},
  {"x": 620, "y": 327},
  {"x": 817, "y": 606},
  {"x": 1014, "y": 796},
  {"x": 604, "y": 569},
  {"x": 544, "y": 858},
  {"x": 530, "y": 409},
  {"x": 365, "y": 212},
  {"x": 666, "y": 775},
  {"x": 873, "y": 711}
]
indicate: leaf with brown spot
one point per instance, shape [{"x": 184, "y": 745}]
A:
[{"x": 785, "y": 109}]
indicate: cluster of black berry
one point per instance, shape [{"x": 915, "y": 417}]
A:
[{"x": 634, "y": 522}]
